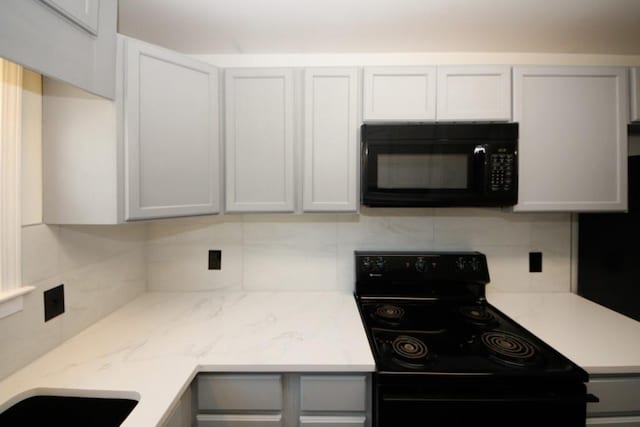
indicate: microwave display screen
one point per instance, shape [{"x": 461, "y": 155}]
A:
[{"x": 422, "y": 171}]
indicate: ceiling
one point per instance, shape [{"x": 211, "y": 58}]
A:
[{"x": 375, "y": 26}]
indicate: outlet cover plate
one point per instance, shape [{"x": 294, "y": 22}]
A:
[
  {"x": 215, "y": 259},
  {"x": 53, "y": 302}
]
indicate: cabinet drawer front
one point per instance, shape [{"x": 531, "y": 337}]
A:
[
  {"x": 332, "y": 393},
  {"x": 320, "y": 421},
  {"x": 614, "y": 422},
  {"x": 240, "y": 392},
  {"x": 239, "y": 420},
  {"x": 617, "y": 395}
]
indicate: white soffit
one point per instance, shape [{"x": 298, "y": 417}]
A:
[{"x": 375, "y": 26}]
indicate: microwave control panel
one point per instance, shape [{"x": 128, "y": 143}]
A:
[{"x": 501, "y": 171}]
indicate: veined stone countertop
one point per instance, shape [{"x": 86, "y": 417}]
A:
[
  {"x": 152, "y": 348},
  {"x": 596, "y": 338}
]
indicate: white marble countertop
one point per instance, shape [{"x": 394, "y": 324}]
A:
[
  {"x": 152, "y": 348},
  {"x": 596, "y": 338}
]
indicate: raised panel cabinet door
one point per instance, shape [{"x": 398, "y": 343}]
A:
[
  {"x": 617, "y": 394},
  {"x": 333, "y": 393},
  {"x": 330, "y": 139},
  {"x": 171, "y": 134},
  {"x": 82, "y": 12},
  {"x": 70, "y": 40},
  {"x": 242, "y": 392},
  {"x": 259, "y": 138},
  {"x": 614, "y": 421},
  {"x": 474, "y": 93},
  {"x": 572, "y": 138},
  {"x": 635, "y": 94},
  {"x": 399, "y": 94}
]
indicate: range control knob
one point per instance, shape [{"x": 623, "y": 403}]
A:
[
  {"x": 475, "y": 264},
  {"x": 366, "y": 264},
  {"x": 420, "y": 265},
  {"x": 461, "y": 263},
  {"x": 380, "y": 264}
]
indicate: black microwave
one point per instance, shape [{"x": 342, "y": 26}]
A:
[{"x": 440, "y": 165}]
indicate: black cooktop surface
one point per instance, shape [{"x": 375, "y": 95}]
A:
[{"x": 436, "y": 337}]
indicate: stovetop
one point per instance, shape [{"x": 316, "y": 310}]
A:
[{"x": 426, "y": 314}]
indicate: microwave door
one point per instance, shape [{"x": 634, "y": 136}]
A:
[{"x": 422, "y": 173}]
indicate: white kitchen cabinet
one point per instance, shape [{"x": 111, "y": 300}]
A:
[
  {"x": 572, "y": 138},
  {"x": 272, "y": 399},
  {"x": 619, "y": 403},
  {"x": 259, "y": 140},
  {"x": 70, "y": 40},
  {"x": 399, "y": 94},
  {"x": 635, "y": 94},
  {"x": 153, "y": 153},
  {"x": 331, "y": 139},
  {"x": 474, "y": 93},
  {"x": 181, "y": 415}
]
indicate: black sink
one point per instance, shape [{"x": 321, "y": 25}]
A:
[{"x": 68, "y": 411}]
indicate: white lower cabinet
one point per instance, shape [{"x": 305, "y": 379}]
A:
[
  {"x": 619, "y": 403},
  {"x": 153, "y": 153},
  {"x": 287, "y": 400},
  {"x": 332, "y": 421}
]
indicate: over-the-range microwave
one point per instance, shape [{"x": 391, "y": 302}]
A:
[{"x": 440, "y": 165}]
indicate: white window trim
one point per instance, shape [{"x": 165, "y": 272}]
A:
[{"x": 11, "y": 289}]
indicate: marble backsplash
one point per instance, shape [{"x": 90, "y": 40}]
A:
[
  {"x": 101, "y": 267},
  {"x": 315, "y": 251}
]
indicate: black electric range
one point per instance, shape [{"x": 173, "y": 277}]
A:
[{"x": 446, "y": 357}]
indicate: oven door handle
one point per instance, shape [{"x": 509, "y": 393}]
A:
[{"x": 588, "y": 398}]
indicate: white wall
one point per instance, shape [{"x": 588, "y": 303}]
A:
[
  {"x": 315, "y": 252},
  {"x": 101, "y": 268}
]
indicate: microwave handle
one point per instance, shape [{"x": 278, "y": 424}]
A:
[{"x": 480, "y": 165}]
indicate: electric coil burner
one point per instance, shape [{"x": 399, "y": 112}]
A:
[{"x": 446, "y": 357}]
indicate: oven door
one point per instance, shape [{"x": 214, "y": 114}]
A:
[
  {"x": 481, "y": 406},
  {"x": 424, "y": 173}
]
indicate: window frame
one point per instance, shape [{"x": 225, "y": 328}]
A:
[{"x": 11, "y": 289}]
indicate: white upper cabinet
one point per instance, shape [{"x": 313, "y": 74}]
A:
[
  {"x": 172, "y": 134},
  {"x": 83, "y": 13},
  {"x": 330, "y": 139},
  {"x": 153, "y": 153},
  {"x": 474, "y": 93},
  {"x": 70, "y": 40},
  {"x": 259, "y": 140},
  {"x": 635, "y": 94},
  {"x": 399, "y": 94},
  {"x": 446, "y": 93},
  {"x": 573, "y": 138}
]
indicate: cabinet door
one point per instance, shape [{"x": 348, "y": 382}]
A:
[
  {"x": 573, "y": 138},
  {"x": 259, "y": 140},
  {"x": 171, "y": 135},
  {"x": 330, "y": 139},
  {"x": 614, "y": 422},
  {"x": 71, "y": 40},
  {"x": 83, "y": 13},
  {"x": 474, "y": 93},
  {"x": 399, "y": 94},
  {"x": 635, "y": 94}
]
